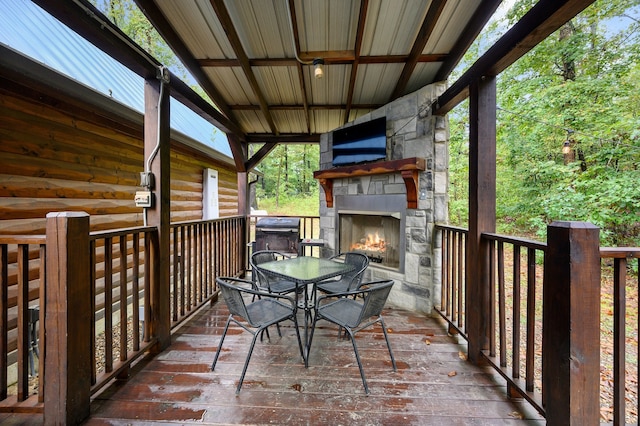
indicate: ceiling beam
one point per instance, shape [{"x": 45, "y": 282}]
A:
[
  {"x": 364, "y": 6},
  {"x": 542, "y": 20},
  {"x": 328, "y": 60},
  {"x": 166, "y": 31},
  {"x": 227, "y": 24},
  {"x": 316, "y": 107},
  {"x": 300, "y": 138},
  {"x": 259, "y": 156},
  {"x": 472, "y": 30},
  {"x": 296, "y": 45},
  {"x": 91, "y": 24},
  {"x": 429, "y": 23}
]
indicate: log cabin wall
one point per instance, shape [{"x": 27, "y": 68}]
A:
[{"x": 55, "y": 156}]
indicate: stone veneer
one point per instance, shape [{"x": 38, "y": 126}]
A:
[{"x": 412, "y": 131}]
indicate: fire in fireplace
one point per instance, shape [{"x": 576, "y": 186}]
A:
[{"x": 375, "y": 234}]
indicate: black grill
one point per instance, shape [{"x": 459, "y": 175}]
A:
[{"x": 278, "y": 233}]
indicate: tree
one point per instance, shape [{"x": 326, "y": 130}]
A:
[{"x": 578, "y": 86}]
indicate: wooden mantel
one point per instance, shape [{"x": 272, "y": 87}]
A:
[{"x": 409, "y": 168}]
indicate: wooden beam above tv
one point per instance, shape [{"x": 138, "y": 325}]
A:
[{"x": 410, "y": 169}]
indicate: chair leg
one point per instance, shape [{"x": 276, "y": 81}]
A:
[
  {"x": 246, "y": 363},
  {"x": 355, "y": 349},
  {"x": 224, "y": 333},
  {"x": 386, "y": 338}
]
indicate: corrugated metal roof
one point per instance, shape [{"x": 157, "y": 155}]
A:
[{"x": 30, "y": 30}]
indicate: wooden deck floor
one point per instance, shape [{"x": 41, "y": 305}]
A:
[{"x": 434, "y": 385}]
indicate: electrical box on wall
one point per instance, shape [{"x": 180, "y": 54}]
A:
[
  {"x": 210, "y": 209},
  {"x": 143, "y": 199}
]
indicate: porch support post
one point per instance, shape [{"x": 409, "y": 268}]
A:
[
  {"x": 67, "y": 319},
  {"x": 157, "y": 153},
  {"x": 571, "y": 325},
  {"x": 482, "y": 210}
]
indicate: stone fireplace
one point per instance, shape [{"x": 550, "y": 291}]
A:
[{"x": 387, "y": 209}]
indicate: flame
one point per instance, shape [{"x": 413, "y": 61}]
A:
[{"x": 371, "y": 242}]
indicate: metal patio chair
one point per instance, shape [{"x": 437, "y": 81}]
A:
[
  {"x": 355, "y": 314},
  {"x": 268, "y": 282},
  {"x": 349, "y": 281},
  {"x": 267, "y": 309}
]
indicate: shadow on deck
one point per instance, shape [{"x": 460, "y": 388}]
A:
[{"x": 434, "y": 384}]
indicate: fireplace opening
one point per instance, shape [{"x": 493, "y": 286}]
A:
[{"x": 375, "y": 234}]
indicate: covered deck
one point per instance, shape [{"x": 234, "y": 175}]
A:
[{"x": 434, "y": 383}]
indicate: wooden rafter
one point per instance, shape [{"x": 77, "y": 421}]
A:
[
  {"x": 225, "y": 20},
  {"x": 543, "y": 19},
  {"x": 430, "y": 20},
  {"x": 364, "y": 6}
]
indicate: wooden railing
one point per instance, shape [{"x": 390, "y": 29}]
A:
[
  {"x": 22, "y": 272},
  {"x": 200, "y": 253},
  {"x": 121, "y": 329},
  {"x": 625, "y": 352},
  {"x": 515, "y": 317}
]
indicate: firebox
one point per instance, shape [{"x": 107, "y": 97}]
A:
[{"x": 373, "y": 231}]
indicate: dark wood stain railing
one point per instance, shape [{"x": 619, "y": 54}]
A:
[
  {"x": 516, "y": 291},
  {"x": 22, "y": 274},
  {"x": 120, "y": 262}
]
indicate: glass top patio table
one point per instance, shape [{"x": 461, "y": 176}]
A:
[{"x": 304, "y": 271}]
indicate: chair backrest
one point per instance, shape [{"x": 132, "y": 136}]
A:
[
  {"x": 232, "y": 295},
  {"x": 375, "y": 299},
  {"x": 360, "y": 262},
  {"x": 264, "y": 256}
]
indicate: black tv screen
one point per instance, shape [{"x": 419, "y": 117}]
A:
[{"x": 360, "y": 143}]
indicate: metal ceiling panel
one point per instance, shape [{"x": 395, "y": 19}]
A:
[
  {"x": 329, "y": 90},
  {"x": 328, "y": 25},
  {"x": 323, "y": 120},
  {"x": 198, "y": 26},
  {"x": 280, "y": 85},
  {"x": 455, "y": 17},
  {"x": 232, "y": 84},
  {"x": 376, "y": 82},
  {"x": 392, "y": 26}
]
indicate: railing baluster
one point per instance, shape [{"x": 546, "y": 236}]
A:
[
  {"x": 23, "y": 321},
  {"x": 122, "y": 249},
  {"x": 108, "y": 304},
  {"x": 502, "y": 306},
  {"x": 4, "y": 318},
  {"x": 619, "y": 340},
  {"x": 515, "y": 370},
  {"x": 135, "y": 290},
  {"x": 492, "y": 298},
  {"x": 92, "y": 304},
  {"x": 531, "y": 320}
]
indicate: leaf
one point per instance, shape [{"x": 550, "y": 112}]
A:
[
  {"x": 452, "y": 373},
  {"x": 462, "y": 356}
]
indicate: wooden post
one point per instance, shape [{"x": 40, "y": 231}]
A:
[
  {"x": 571, "y": 325},
  {"x": 482, "y": 210},
  {"x": 157, "y": 144},
  {"x": 68, "y": 318}
]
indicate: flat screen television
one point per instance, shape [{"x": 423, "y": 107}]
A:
[{"x": 360, "y": 143}]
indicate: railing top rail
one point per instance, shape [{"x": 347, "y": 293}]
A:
[
  {"x": 194, "y": 222},
  {"x": 620, "y": 252},
  {"x": 524, "y": 242},
  {"x": 452, "y": 228},
  {"x": 284, "y": 215},
  {"x": 23, "y": 239},
  {"x": 112, "y": 233}
]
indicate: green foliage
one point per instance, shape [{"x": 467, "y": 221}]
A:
[
  {"x": 288, "y": 175},
  {"x": 580, "y": 85}
]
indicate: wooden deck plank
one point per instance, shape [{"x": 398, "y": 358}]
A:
[{"x": 434, "y": 384}]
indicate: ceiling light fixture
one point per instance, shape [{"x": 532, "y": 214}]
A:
[{"x": 317, "y": 67}]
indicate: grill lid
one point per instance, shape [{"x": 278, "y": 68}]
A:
[{"x": 278, "y": 224}]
